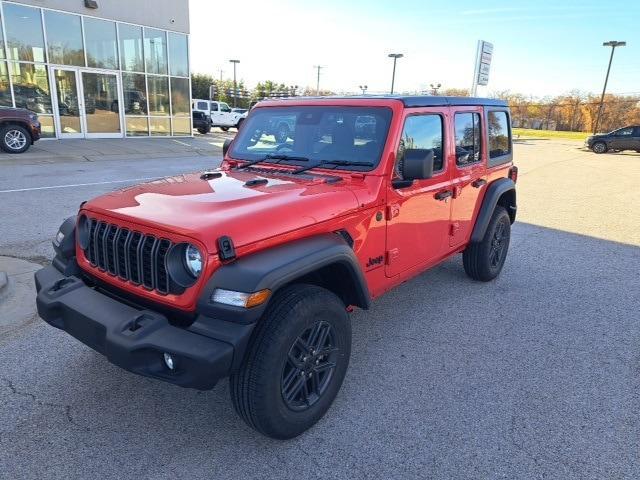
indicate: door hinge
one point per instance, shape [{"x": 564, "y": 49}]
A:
[
  {"x": 453, "y": 228},
  {"x": 392, "y": 211},
  {"x": 391, "y": 255}
]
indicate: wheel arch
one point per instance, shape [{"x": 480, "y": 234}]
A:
[
  {"x": 20, "y": 123},
  {"x": 500, "y": 192},
  {"x": 324, "y": 260}
]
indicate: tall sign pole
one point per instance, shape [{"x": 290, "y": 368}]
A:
[{"x": 484, "y": 53}]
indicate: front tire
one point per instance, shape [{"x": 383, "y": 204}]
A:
[
  {"x": 484, "y": 260},
  {"x": 15, "y": 139},
  {"x": 599, "y": 147},
  {"x": 295, "y": 363}
]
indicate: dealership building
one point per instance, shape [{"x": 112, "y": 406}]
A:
[{"x": 98, "y": 68}]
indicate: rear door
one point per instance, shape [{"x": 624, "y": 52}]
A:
[
  {"x": 469, "y": 172},
  {"x": 622, "y": 139},
  {"x": 418, "y": 214}
]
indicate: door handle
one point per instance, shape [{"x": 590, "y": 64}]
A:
[
  {"x": 479, "y": 183},
  {"x": 443, "y": 195}
]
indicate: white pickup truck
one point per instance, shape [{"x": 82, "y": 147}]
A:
[{"x": 220, "y": 113}]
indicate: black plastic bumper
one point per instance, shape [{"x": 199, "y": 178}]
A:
[{"x": 136, "y": 339}]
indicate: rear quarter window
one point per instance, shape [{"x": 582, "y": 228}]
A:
[{"x": 499, "y": 137}]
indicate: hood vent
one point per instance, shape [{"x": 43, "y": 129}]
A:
[{"x": 256, "y": 182}]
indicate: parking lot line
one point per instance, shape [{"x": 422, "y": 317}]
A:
[{"x": 52, "y": 187}]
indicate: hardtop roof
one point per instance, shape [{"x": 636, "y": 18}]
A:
[{"x": 413, "y": 100}]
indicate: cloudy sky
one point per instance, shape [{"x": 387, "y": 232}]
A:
[{"x": 542, "y": 47}]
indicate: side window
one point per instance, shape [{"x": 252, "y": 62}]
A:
[
  {"x": 225, "y": 108},
  {"x": 624, "y": 132},
  {"x": 214, "y": 107},
  {"x": 499, "y": 134},
  {"x": 202, "y": 106},
  {"x": 422, "y": 131},
  {"x": 467, "y": 131}
]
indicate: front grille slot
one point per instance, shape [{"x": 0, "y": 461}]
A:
[{"x": 131, "y": 256}]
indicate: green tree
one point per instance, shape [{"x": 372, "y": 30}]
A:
[{"x": 200, "y": 83}]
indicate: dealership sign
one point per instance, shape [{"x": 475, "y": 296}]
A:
[{"x": 484, "y": 54}]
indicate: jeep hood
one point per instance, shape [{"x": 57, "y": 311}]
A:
[{"x": 207, "y": 209}]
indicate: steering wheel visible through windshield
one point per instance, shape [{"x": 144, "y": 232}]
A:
[{"x": 318, "y": 133}]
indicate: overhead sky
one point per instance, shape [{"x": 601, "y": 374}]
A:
[{"x": 542, "y": 47}]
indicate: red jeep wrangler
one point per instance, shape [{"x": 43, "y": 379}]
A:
[{"x": 250, "y": 270}]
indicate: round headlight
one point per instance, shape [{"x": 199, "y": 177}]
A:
[{"x": 193, "y": 260}]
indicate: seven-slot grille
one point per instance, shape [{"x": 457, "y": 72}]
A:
[{"x": 132, "y": 256}]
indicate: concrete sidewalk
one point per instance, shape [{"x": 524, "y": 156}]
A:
[{"x": 94, "y": 150}]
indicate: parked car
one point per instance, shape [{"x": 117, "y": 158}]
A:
[
  {"x": 625, "y": 138},
  {"x": 135, "y": 102},
  {"x": 201, "y": 122},
  {"x": 32, "y": 97},
  {"x": 220, "y": 113},
  {"x": 241, "y": 111},
  {"x": 19, "y": 128},
  {"x": 250, "y": 271}
]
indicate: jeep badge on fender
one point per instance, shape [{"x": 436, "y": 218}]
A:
[{"x": 250, "y": 271}]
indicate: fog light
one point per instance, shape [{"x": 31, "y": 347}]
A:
[{"x": 168, "y": 361}]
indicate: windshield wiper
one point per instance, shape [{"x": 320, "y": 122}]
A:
[
  {"x": 273, "y": 156},
  {"x": 337, "y": 163}
]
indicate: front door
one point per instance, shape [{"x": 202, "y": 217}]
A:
[
  {"x": 68, "y": 103},
  {"x": 86, "y": 103},
  {"x": 418, "y": 214}
]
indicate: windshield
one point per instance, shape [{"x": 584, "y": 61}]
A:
[{"x": 349, "y": 134}]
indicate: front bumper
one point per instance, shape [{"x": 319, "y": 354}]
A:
[{"x": 135, "y": 338}]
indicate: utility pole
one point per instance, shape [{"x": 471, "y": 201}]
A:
[
  {"x": 613, "y": 44},
  {"x": 318, "y": 67},
  {"x": 235, "y": 85},
  {"x": 395, "y": 57}
]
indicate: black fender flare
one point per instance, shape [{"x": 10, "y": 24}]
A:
[
  {"x": 494, "y": 191},
  {"x": 275, "y": 267}
]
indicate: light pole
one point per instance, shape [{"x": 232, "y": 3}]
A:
[
  {"x": 235, "y": 85},
  {"x": 395, "y": 57},
  {"x": 434, "y": 88},
  {"x": 613, "y": 44},
  {"x": 318, "y": 67},
  {"x": 363, "y": 88}
]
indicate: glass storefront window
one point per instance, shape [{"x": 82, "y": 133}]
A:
[
  {"x": 1, "y": 42},
  {"x": 100, "y": 39},
  {"x": 31, "y": 87},
  {"x": 48, "y": 128},
  {"x": 131, "y": 58},
  {"x": 64, "y": 38},
  {"x": 158, "y": 95},
  {"x": 181, "y": 126},
  {"x": 135, "y": 94},
  {"x": 180, "y": 104},
  {"x": 101, "y": 102},
  {"x": 5, "y": 90},
  {"x": 155, "y": 51},
  {"x": 25, "y": 40},
  {"x": 178, "y": 55},
  {"x": 137, "y": 127},
  {"x": 160, "y": 126}
]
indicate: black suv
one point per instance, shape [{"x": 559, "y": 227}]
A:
[{"x": 625, "y": 138}]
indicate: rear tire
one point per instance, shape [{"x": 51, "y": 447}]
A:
[
  {"x": 203, "y": 130},
  {"x": 483, "y": 261},
  {"x": 224, "y": 129},
  {"x": 295, "y": 363},
  {"x": 15, "y": 139},
  {"x": 599, "y": 147}
]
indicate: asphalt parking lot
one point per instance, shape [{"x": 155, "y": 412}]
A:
[{"x": 535, "y": 375}]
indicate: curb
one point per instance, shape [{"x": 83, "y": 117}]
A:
[{"x": 4, "y": 282}]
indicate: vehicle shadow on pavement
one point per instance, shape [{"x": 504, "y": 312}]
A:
[{"x": 535, "y": 374}]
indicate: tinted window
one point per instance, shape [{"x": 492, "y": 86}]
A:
[
  {"x": 624, "y": 131},
  {"x": 317, "y": 133},
  {"x": 424, "y": 132},
  {"x": 499, "y": 134},
  {"x": 135, "y": 94},
  {"x": 24, "y": 33},
  {"x": 158, "y": 97},
  {"x": 180, "y": 96},
  {"x": 202, "y": 106},
  {"x": 155, "y": 51},
  {"x": 100, "y": 37},
  {"x": 131, "y": 48},
  {"x": 64, "y": 38},
  {"x": 214, "y": 107},
  {"x": 467, "y": 131},
  {"x": 178, "y": 55}
]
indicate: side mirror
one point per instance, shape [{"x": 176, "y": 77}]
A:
[
  {"x": 417, "y": 164},
  {"x": 225, "y": 146}
]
